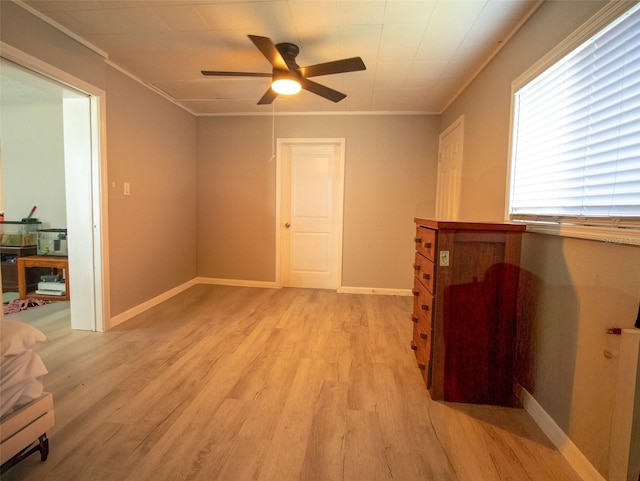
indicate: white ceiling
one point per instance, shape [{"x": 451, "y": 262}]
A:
[{"x": 418, "y": 53}]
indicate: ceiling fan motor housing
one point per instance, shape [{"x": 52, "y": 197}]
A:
[{"x": 289, "y": 51}]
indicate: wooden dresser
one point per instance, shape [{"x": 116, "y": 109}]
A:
[{"x": 464, "y": 309}]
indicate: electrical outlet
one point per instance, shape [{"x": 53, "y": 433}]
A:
[{"x": 444, "y": 258}]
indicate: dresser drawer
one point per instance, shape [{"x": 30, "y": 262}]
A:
[
  {"x": 422, "y": 302},
  {"x": 422, "y": 359},
  {"x": 424, "y": 271},
  {"x": 422, "y": 336},
  {"x": 426, "y": 242}
]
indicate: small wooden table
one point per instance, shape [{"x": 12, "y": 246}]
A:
[{"x": 53, "y": 262}]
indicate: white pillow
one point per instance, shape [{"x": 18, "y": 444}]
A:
[{"x": 17, "y": 337}]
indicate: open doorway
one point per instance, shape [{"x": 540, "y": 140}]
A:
[{"x": 50, "y": 159}]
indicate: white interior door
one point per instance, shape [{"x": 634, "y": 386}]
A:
[
  {"x": 310, "y": 221},
  {"x": 450, "y": 171}
]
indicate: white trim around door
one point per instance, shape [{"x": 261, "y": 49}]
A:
[{"x": 96, "y": 272}]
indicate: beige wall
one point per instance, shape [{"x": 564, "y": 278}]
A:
[
  {"x": 572, "y": 290},
  {"x": 388, "y": 181},
  {"x": 486, "y": 107},
  {"x": 236, "y": 193},
  {"x": 151, "y": 144},
  {"x": 23, "y": 31}
]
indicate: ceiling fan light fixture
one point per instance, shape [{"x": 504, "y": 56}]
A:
[
  {"x": 286, "y": 86},
  {"x": 287, "y": 77}
]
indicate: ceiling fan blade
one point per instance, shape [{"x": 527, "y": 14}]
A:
[
  {"x": 234, "y": 74},
  {"x": 352, "y": 64},
  {"x": 321, "y": 90},
  {"x": 269, "y": 50},
  {"x": 268, "y": 97}
]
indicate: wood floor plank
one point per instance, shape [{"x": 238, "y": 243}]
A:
[
  {"x": 286, "y": 454},
  {"x": 231, "y": 383},
  {"x": 242, "y": 461},
  {"x": 324, "y": 457},
  {"x": 365, "y": 458}
]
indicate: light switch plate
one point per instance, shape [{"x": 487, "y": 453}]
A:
[{"x": 444, "y": 258}]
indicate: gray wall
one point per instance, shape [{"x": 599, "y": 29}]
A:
[
  {"x": 389, "y": 162},
  {"x": 572, "y": 290},
  {"x": 153, "y": 145},
  {"x": 150, "y": 142}
]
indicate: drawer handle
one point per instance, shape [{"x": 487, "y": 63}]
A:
[
  {"x": 415, "y": 292},
  {"x": 422, "y": 366},
  {"x": 416, "y": 267},
  {"x": 426, "y": 276},
  {"x": 414, "y": 319},
  {"x": 423, "y": 335},
  {"x": 414, "y": 347},
  {"x": 425, "y": 307},
  {"x": 418, "y": 240}
]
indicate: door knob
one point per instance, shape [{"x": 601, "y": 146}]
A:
[{"x": 287, "y": 225}]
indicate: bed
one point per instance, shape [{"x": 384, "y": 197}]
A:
[{"x": 26, "y": 410}]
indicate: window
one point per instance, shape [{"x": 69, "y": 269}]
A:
[{"x": 576, "y": 129}]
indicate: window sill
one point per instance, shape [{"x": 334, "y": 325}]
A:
[{"x": 607, "y": 235}]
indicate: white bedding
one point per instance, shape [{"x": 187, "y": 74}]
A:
[
  {"x": 21, "y": 369},
  {"x": 21, "y": 379}
]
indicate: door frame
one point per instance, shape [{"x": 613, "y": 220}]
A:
[
  {"x": 282, "y": 145},
  {"x": 100, "y": 248}
]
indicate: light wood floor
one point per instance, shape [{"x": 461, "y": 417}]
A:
[{"x": 229, "y": 383}]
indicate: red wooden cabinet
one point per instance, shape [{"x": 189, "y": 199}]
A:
[{"x": 464, "y": 310}]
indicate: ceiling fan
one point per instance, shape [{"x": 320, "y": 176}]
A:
[{"x": 287, "y": 77}]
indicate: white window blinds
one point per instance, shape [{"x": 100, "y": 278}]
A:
[{"x": 576, "y": 144}]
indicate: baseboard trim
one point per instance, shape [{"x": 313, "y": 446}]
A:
[
  {"x": 560, "y": 440},
  {"x": 236, "y": 282},
  {"x": 380, "y": 291},
  {"x": 140, "y": 308}
]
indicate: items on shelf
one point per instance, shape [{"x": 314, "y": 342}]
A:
[
  {"x": 55, "y": 265},
  {"x": 51, "y": 285},
  {"x": 19, "y": 234},
  {"x": 52, "y": 242}
]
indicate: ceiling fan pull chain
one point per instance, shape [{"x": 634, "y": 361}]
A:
[{"x": 273, "y": 131}]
